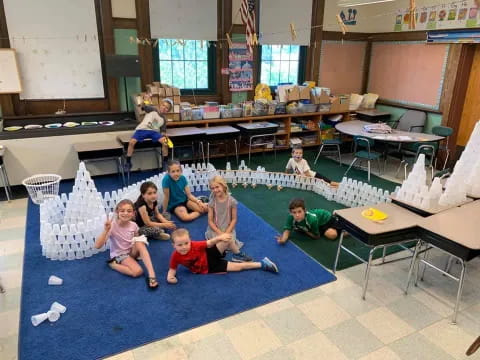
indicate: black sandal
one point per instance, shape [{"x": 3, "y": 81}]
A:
[{"x": 152, "y": 283}]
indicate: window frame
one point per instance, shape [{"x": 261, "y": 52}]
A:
[
  {"x": 211, "y": 65},
  {"x": 302, "y": 65}
]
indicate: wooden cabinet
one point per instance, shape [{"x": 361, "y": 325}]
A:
[{"x": 305, "y": 126}]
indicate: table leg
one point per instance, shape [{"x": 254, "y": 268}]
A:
[
  {"x": 412, "y": 265},
  {"x": 340, "y": 241},
  {"x": 367, "y": 272},
  {"x": 236, "y": 149},
  {"x": 6, "y": 184},
  {"x": 459, "y": 291}
]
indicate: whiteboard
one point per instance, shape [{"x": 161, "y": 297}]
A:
[
  {"x": 9, "y": 77},
  {"x": 57, "y": 48}
]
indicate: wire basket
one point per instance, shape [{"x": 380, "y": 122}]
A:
[{"x": 42, "y": 186}]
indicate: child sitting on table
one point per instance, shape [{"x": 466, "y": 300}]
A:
[
  {"x": 153, "y": 126},
  {"x": 207, "y": 257},
  {"x": 313, "y": 223},
  {"x": 299, "y": 166}
]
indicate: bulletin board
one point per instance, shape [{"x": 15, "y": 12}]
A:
[
  {"x": 342, "y": 66},
  {"x": 9, "y": 76},
  {"x": 409, "y": 73}
]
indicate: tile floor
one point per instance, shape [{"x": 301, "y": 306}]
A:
[{"x": 328, "y": 322}]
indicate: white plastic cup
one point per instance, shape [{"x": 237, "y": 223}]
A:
[
  {"x": 38, "y": 319},
  {"x": 55, "y": 280},
  {"x": 57, "y": 307},
  {"x": 53, "y": 315}
]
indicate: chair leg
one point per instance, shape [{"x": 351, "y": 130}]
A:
[
  {"x": 339, "y": 155},
  {"x": 378, "y": 164},
  {"x": 405, "y": 171},
  {"x": 236, "y": 150},
  {"x": 446, "y": 159},
  {"x": 351, "y": 164},
  {"x": 6, "y": 184},
  {"x": 398, "y": 169},
  {"x": 368, "y": 165},
  {"x": 318, "y": 155}
]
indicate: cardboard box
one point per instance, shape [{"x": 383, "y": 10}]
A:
[
  {"x": 319, "y": 97},
  {"x": 304, "y": 92},
  {"x": 168, "y": 92},
  {"x": 176, "y": 91},
  {"x": 151, "y": 89},
  {"x": 293, "y": 94},
  {"x": 176, "y": 108},
  {"x": 157, "y": 84},
  {"x": 155, "y": 99},
  {"x": 340, "y": 104},
  {"x": 176, "y": 99},
  {"x": 173, "y": 116},
  {"x": 161, "y": 92}
]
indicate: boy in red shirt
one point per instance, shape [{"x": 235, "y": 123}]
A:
[{"x": 206, "y": 257}]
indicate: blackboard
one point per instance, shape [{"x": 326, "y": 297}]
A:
[{"x": 9, "y": 75}]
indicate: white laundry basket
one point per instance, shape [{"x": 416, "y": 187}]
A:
[{"x": 42, "y": 186}]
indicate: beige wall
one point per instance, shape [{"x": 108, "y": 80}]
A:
[
  {"x": 27, "y": 157},
  {"x": 381, "y": 17},
  {"x": 123, "y": 9}
]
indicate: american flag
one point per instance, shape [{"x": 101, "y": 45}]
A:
[{"x": 248, "y": 18}]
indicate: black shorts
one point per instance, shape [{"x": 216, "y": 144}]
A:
[
  {"x": 332, "y": 223},
  {"x": 181, "y": 204},
  {"x": 216, "y": 261}
]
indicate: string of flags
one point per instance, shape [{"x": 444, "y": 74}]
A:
[{"x": 252, "y": 39}]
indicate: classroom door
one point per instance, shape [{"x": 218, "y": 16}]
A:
[{"x": 471, "y": 107}]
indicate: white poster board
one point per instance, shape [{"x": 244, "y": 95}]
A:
[
  {"x": 57, "y": 47},
  {"x": 9, "y": 76}
]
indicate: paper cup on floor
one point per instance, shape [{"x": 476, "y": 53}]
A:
[
  {"x": 38, "y": 319},
  {"x": 55, "y": 280},
  {"x": 53, "y": 316},
  {"x": 58, "y": 307}
]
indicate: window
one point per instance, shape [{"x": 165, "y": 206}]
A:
[
  {"x": 188, "y": 65},
  {"x": 282, "y": 64}
]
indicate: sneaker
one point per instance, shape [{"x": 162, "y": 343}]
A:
[
  {"x": 269, "y": 265},
  {"x": 241, "y": 257},
  {"x": 163, "y": 236}
]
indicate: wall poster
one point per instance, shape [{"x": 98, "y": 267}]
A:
[{"x": 240, "y": 67}]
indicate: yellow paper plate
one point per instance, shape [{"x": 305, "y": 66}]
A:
[
  {"x": 374, "y": 214},
  {"x": 13, "y": 128},
  {"x": 169, "y": 143}
]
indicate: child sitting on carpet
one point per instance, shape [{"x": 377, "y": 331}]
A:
[
  {"x": 125, "y": 246},
  {"x": 313, "y": 223},
  {"x": 222, "y": 211},
  {"x": 207, "y": 257},
  {"x": 149, "y": 220},
  {"x": 152, "y": 126},
  {"x": 178, "y": 198},
  {"x": 299, "y": 166}
]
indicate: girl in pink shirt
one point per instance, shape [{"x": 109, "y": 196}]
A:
[{"x": 125, "y": 245}]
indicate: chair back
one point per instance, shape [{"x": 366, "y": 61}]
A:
[
  {"x": 412, "y": 121},
  {"x": 444, "y": 131},
  {"x": 363, "y": 142}
]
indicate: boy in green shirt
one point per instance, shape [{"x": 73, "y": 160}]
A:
[{"x": 313, "y": 223}]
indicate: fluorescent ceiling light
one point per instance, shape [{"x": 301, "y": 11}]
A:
[{"x": 347, "y": 3}]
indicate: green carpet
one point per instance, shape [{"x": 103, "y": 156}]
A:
[{"x": 272, "y": 205}]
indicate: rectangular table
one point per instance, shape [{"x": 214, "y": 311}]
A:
[
  {"x": 101, "y": 150},
  {"x": 258, "y": 130},
  {"x": 222, "y": 133},
  {"x": 373, "y": 115},
  {"x": 454, "y": 232},
  {"x": 398, "y": 228},
  {"x": 187, "y": 134}
]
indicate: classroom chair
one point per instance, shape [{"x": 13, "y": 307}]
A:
[
  {"x": 411, "y": 121},
  {"x": 332, "y": 143},
  {"x": 365, "y": 153},
  {"x": 428, "y": 149},
  {"x": 446, "y": 132}
]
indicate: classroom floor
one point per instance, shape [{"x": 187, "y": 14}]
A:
[{"x": 328, "y": 322}]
